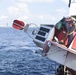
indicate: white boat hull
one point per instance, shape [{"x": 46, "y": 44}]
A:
[
  {"x": 62, "y": 56},
  {"x": 57, "y": 52}
]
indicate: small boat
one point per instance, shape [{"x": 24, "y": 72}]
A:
[
  {"x": 50, "y": 44},
  {"x": 53, "y": 49}
]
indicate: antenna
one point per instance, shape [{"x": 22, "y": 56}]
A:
[{"x": 69, "y": 3}]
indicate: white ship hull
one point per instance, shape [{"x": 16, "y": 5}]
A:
[
  {"x": 62, "y": 56},
  {"x": 57, "y": 52}
]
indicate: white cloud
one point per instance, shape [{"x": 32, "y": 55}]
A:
[
  {"x": 13, "y": 10},
  {"x": 66, "y": 1},
  {"x": 42, "y": 18},
  {"x": 45, "y": 17},
  {"x": 3, "y": 17},
  {"x": 61, "y": 11},
  {"x": 35, "y": 0},
  {"x": 23, "y": 17},
  {"x": 23, "y": 8},
  {"x": 18, "y": 9}
]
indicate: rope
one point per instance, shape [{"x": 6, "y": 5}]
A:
[{"x": 27, "y": 29}]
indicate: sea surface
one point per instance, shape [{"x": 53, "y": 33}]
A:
[{"x": 18, "y": 57}]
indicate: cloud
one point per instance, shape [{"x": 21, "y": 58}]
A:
[
  {"x": 31, "y": 1},
  {"x": 66, "y": 1},
  {"x": 13, "y": 10},
  {"x": 23, "y": 17},
  {"x": 3, "y": 17},
  {"x": 42, "y": 18},
  {"x": 61, "y": 11},
  {"x": 19, "y": 9},
  {"x": 37, "y": 18}
]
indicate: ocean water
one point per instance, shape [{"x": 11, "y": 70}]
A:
[{"x": 18, "y": 57}]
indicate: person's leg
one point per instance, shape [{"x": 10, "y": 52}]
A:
[{"x": 70, "y": 38}]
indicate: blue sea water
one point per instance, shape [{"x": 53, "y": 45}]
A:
[{"x": 17, "y": 56}]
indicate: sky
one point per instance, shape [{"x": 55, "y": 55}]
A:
[{"x": 32, "y": 11}]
